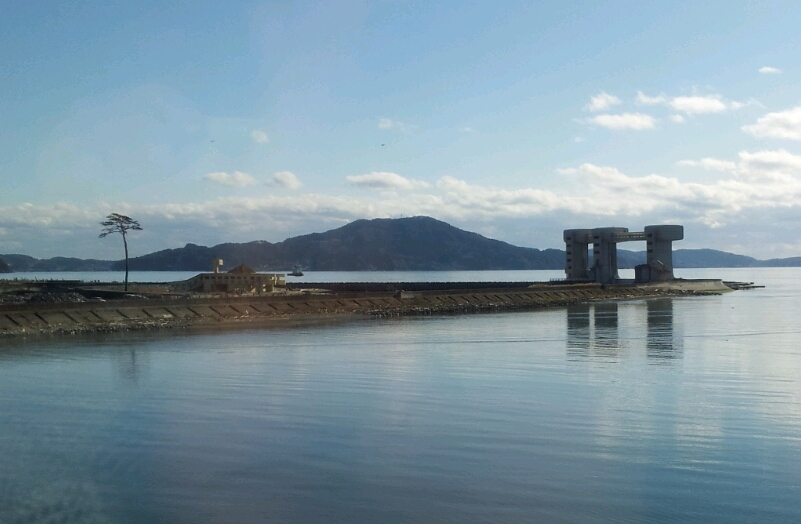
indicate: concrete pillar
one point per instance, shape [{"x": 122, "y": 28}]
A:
[
  {"x": 604, "y": 252},
  {"x": 577, "y": 261},
  {"x": 659, "y": 253}
]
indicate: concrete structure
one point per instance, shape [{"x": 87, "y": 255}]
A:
[
  {"x": 239, "y": 280},
  {"x": 659, "y": 253},
  {"x": 577, "y": 260}
]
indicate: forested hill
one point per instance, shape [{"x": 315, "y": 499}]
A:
[
  {"x": 414, "y": 244},
  {"x": 27, "y": 263}
]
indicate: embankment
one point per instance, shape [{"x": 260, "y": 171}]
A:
[{"x": 161, "y": 313}]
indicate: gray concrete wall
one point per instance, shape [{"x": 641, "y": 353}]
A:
[
  {"x": 577, "y": 260},
  {"x": 604, "y": 250},
  {"x": 659, "y": 250}
]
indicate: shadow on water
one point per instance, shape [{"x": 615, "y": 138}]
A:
[{"x": 594, "y": 331}]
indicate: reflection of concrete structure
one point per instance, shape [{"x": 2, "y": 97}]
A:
[
  {"x": 659, "y": 254},
  {"x": 578, "y": 330},
  {"x": 605, "y": 319},
  {"x": 240, "y": 279},
  {"x": 593, "y": 331},
  {"x": 661, "y": 342}
]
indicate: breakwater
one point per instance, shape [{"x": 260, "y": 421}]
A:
[{"x": 374, "y": 300}]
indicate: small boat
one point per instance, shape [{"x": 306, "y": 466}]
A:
[{"x": 296, "y": 272}]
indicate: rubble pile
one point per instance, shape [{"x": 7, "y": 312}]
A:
[{"x": 42, "y": 298}]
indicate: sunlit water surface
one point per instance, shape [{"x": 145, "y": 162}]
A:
[{"x": 663, "y": 410}]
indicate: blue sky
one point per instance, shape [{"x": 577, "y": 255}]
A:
[{"x": 237, "y": 121}]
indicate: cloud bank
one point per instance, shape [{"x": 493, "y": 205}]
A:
[{"x": 754, "y": 184}]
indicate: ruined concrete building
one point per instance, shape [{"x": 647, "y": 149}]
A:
[{"x": 659, "y": 253}]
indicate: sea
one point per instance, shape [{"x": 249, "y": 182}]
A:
[{"x": 684, "y": 409}]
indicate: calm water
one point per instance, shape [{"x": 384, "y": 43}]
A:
[{"x": 665, "y": 410}]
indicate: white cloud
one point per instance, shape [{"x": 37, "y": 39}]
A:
[
  {"x": 259, "y": 137},
  {"x": 235, "y": 179},
  {"x": 774, "y": 167},
  {"x": 286, "y": 179},
  {"x": 690, "y": 105},
  {"x": 601, "y": 102},
  {"x": 645, "y": 100},
  {"x": 778, "y": 167},
  {"x": 677, "y": 119},
  {"x": 578, "y": 139},
  {"x": 770, "y": 70},
  {"x": 636, "y": 121},
  {"x": 783, "y": 124},
  {"x": 387, "y": 123},
  {"x": 762, "y": 180},
  {"x": 710, "y": 164},
  {"x": 695, "y": 105},
  {"x": 384, "y": 180}
]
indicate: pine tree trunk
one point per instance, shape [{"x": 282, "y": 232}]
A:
[{"x": 124, "y": 241}]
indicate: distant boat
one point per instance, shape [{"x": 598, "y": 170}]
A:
[{"x": 296, "y": 272}]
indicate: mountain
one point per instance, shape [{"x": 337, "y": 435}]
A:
[
  {"x": 782, "y": 262},
  {"x": 686, "y": 258},
  {"x": 4, "y": 268},
  {"x": 26, "y": 263},
  {"x": 412, "y": 244}
]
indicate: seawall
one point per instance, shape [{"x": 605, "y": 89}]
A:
[{"x": 163, "y": 313}]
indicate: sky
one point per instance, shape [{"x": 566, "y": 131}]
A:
[{"x": 235, "y": 121}]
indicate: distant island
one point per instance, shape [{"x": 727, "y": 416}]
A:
[{"x": 384, "y": 244}]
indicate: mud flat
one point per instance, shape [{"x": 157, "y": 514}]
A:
[{"x": 39, "y": 318}]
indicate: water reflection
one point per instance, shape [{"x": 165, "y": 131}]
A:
[
  {"x": 130, "y": 364},
  {"x": 594, "y": 330},
  {"x": 606, "y": 334},
  {"x": 661, "y": 343},
  {"x": 578, "y": 331}
]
